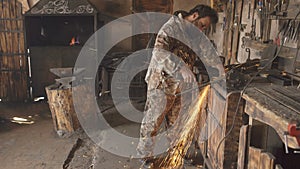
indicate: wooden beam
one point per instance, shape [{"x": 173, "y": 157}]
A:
[
  {"x": 236, "y": 31},
  {"x": 242, "y": 147}
]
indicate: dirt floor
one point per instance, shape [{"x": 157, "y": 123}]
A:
[{"x": 38, "y": 146}]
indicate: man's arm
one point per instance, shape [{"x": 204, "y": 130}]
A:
[
  {"x": 167, "y": 61},
  {"x": 162, "y": 55}
]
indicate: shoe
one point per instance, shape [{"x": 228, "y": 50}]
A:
[
  {"x": 188, "y": 162},
  {"x": 146, "y": 164}
]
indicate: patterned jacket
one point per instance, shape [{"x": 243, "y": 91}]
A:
[
  {"x": 169, "y": 54},
  {"x": 173, "y": 49}
]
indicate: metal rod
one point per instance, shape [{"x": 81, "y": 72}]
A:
[
  {"x": 201, "y": 86},
  {"x": 286, "y": 143},
  {"x": 289, "y": 73}
]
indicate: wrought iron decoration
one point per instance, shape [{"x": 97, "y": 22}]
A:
[{"x": 62, "y": 7}]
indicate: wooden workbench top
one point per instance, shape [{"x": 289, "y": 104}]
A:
[{"x": 276, "y": 106}]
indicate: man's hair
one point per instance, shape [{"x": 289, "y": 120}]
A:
[{"x": 203, "y": 11}]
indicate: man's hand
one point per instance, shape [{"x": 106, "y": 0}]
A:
[{"x": 187, "y": 75}]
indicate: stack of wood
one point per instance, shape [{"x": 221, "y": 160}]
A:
[{"x": 13, "y": 60}]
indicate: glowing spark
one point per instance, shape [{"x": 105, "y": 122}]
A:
[{"x": 175, "y": 157}]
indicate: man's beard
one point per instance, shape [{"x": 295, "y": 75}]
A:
[{"x": 197, "y": 23}]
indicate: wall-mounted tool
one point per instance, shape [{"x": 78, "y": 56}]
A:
[
  {"x": 262, "y": 19},
  {"x": 249, "y": 54},
  {"x": 296, "y": 32},
  {"x": 291, "y": 30},
  {"x": 252, "y": 33},
  {"x": 249, "y": 10}
]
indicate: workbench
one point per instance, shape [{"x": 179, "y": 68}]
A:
[
  {"x": 276, "y": 106},
  {"x": 271, "y": 109}
]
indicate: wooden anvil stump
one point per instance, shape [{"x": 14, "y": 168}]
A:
[{"x": 64, "y": 117}]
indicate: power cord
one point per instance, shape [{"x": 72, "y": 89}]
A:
[{"x": 240, "y": 98}]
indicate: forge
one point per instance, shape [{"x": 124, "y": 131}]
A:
[{"x": 55, "y": 33}]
